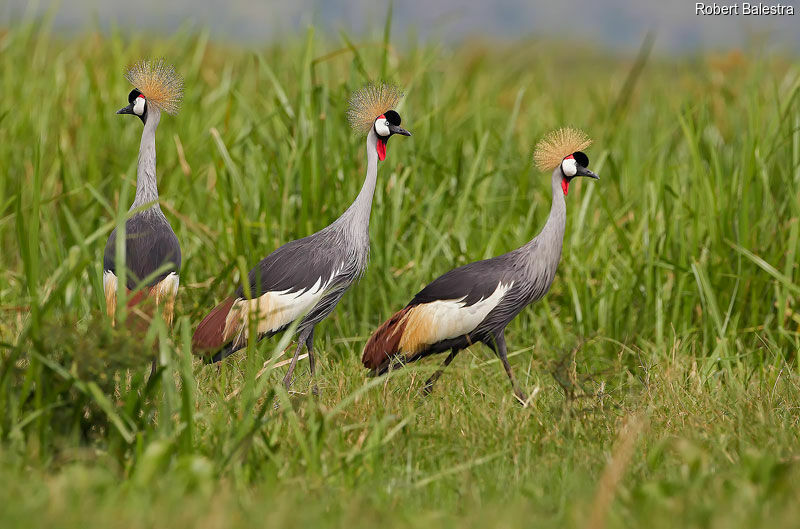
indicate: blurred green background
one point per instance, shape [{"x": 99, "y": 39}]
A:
[{"x": 662, "y": 364}]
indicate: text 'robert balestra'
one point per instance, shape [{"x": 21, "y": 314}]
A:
[{"x": 744, "y": 8}]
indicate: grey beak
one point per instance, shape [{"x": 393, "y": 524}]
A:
[
  {"x": 399, "y": 130},
  {"x": 582, "y": 171},
  {"x": 126, "y": 110}
]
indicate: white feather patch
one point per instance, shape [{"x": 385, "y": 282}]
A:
[
  {"x": 272, "y": 310},
  {"x": 439, "y": 320},
  {"x": 110, "y": 290},
  {"x": 165, "y": 293}
]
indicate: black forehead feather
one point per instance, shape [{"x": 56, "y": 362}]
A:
[
  {"x": 581, "y": 158},
  {"x": 133, "y": 95},
  {"x": 392, "y": 117}
]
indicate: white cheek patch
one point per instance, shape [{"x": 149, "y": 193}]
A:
[
  {"x": 382, "y": 127},
  {"x": 138, "y": 106},
  {"x": 569, "y": 167}
]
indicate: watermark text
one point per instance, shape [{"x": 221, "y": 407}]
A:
[{"x": 744, "y": 8}]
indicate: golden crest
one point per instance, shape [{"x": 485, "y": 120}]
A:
[
  {"x": 557, "y": 145},
  {"x": 371, "y": 101},
  {"x": 159, "y": 83}
]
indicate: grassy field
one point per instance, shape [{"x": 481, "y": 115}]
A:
[{"x": 662, "y": 364}]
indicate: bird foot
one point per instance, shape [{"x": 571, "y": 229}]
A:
[
  {"x": 153, "y": 367},
  {"x": 521, "y": 397}
]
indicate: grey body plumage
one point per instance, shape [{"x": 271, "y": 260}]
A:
[{"x": 152, "y": 251}]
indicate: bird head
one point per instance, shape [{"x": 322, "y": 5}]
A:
[
  {"x": 371, "y": 111},
  {"x": 385, "y": 126},
  {"x": 156, "y": 86},
  {"x": 576, "y": 164},
  {"x": 137, "y": 105},
  {"x": 561, "y": 151}
]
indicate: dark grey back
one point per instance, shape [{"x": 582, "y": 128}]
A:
[
  {"x": 150, "y": 244},
  {"x": 473, "y": 282}
]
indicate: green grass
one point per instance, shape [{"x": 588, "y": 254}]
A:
[{"x": 662, "y": 363}]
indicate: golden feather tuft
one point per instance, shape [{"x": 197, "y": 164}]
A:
[
  {"x": 369, "y": 102},
  {"x": 557, "y": 145},
  {"x": 159, "y": 83}
]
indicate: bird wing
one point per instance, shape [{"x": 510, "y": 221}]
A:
[
  {"x": 470, "y": 283},
  {"x": 292, "y": 281},
  {"x": 454, "y": 304},
  {"x": 297, "y": 266},
  {"x": 451, "y": 306},
  {"x": 150, "y": 244},
  {"x": 272, "y": 311}
]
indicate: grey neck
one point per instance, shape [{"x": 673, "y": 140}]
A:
[
  {"x": 547, "y": 244},
  {"x": 146, "y": 184},
  {"x": 357, "y": 215}
]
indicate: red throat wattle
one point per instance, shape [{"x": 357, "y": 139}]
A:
[
  {"x": 564, "y": 186},
  {"x": 381, "y": 148}
]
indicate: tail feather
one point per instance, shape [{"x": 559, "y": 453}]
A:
[
  {"x": 221, "y": 355},
  {"x": 384, "y": 343},
  {"x": 138, "y": 297},
  {"x": 141, "y": 306},
  {"x": 209, "y": 337}
]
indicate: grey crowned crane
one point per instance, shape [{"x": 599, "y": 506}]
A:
[
  {"x": 475, "y": 302},
  {"x": 152, "y": 252},
  {"x": 306, "y": 278}
]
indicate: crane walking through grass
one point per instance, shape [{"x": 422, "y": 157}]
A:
[
  {"x": 475, "y": 302},
  {"x": 152, "y": 252},
  {"x": 305, "y": 279}
]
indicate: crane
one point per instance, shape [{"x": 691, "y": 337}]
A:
[
  {"x": 475, "y": 302},
  {"x": 152, "y": 252},
  {"x": 305, "y": 279}
]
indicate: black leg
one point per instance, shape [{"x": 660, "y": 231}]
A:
[
  {"x": 153, "y": 367},
  {"x": 312, "y": 361},
  {"x": 287, "y": 380},
  {"x": 426, "y": 390},
  {"x": 499, "y": 347}
]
